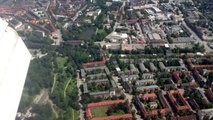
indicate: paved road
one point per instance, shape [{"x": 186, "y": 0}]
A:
[
  {"x": 53, "y": 109},
  {"x": 207, "y": 48},
  {"x": 128, "y": 96},
  {"x": 54, "y": 82},
  {"x": 79, "y": 83}
]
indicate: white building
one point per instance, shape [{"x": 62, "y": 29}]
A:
[
  {"x": 14, "y": 63},
  {"x": 205, "y": 112}
]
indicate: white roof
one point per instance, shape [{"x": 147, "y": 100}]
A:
[
  {"x": 118, "y": 69},
  {"x": 14, "y": 62},
  {"x": 167, "y": 45},
  {"x": 156, "y": 9}
]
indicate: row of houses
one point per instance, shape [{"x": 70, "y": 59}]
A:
[
  {"x": 154, "y": 110},
  {"x": 98, "y": 73},
  {"x": 91, "y": 106}
]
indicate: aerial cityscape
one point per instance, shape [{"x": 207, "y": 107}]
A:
[{"x": 115, "y": 59}]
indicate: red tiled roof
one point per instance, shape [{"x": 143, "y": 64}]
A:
[
  {"x": 209, "y": 71},
  {"x": 95, "y": 63},
  {"x": 177, "y": 106},
  {"x": 176, "y": 75},
  {"x": 104, "y": 103},
  {"x": 152, "y": 113},
  {"x": 198, "y": 66},
  {"x": 148, "y": 95},
  {"x": 209, "y": 94},
  {"x": 140, "y": 42},
  {"x": 166, "y": 107},
  {"x": 203, "y": 66},
  {"x": 88, "y": 113},
  {"x": 188, "y": 117}
]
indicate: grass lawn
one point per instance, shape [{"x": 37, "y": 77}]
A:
[
  {"x": 100, "y": 31},
  {"x": 99, "y": 112},
  {"x": 74, "y": 114},
  {"x": 69, "y": 86},
  {"x": 61, "y": 61}
]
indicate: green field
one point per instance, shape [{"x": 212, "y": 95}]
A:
[
  {"x": 102, "y": 112},
  {"x": 61, "y": 61},
  {"x": 74, "y": 114},
  {"x": 99, "y": 112},
  {"x": 100, "y": 31},
  {"x": 69, "y": 86}
]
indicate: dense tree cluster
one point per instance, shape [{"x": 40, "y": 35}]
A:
[
  {"x": 39, "y": 77},
  {"x": 34, "y": 43},
  {"x": 117, "y": 108},
  {"x": 43, "y": 112}
]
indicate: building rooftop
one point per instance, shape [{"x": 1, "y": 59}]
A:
[
  {"x": 149, "y": 95},
  {"x": 180, "y": 104}
]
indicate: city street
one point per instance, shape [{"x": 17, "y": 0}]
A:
[
  {"x": 207, "y": 48},
  {"x": 128, "y": 96},
  {"x": 79, "y": 83}
]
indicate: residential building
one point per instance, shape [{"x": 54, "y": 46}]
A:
[
  {"x": 162, "y": 66},
  {"x": 90, "y": 106},
  {"x": 209, "y": 94},
  {"x": 205, "y": 112},
  {"x": 153, "y": 68},
  {"x": 149, "y": 95},
  {"x": 181, "y": 103},
  {"x": 142, "y": 68},
  {"x": 129, "y": 78},
  {"x": 38, "y": 33},
  {"x": 97, "y": 63},
  {"x": 176, "y": 76},
  {"x": 194, "y": 104},
  {"x": 145, "y": 82},
  {"x": 147, "y": 76},
  {"x": 147, "y": 88},
  {"x": 83, "y": 73},
  {"x": 133, "y": 69}
]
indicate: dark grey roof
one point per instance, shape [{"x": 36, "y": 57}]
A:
[
  {"x": 143, "y": 68},
  {"x": 129, "y": 77},
  {"x": 146, "y": 81},
  {"x": 97, "y": 75},
  {"x": 85, "y": 88},
  {"x": 98, "y": 81},
  {"x": 162, "y": 66},
  {"x": 83, "y": 74},
  {"x": 152, "y": 67},
  {"x": 94, "y": 68},
  {"x": 133, "y": 68},
  {"x": 147, "y": 75},
  {"x": 99, "y": 93},
  {"x": 152, "y": 87},
  {"x": 107, "y": 71}
]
